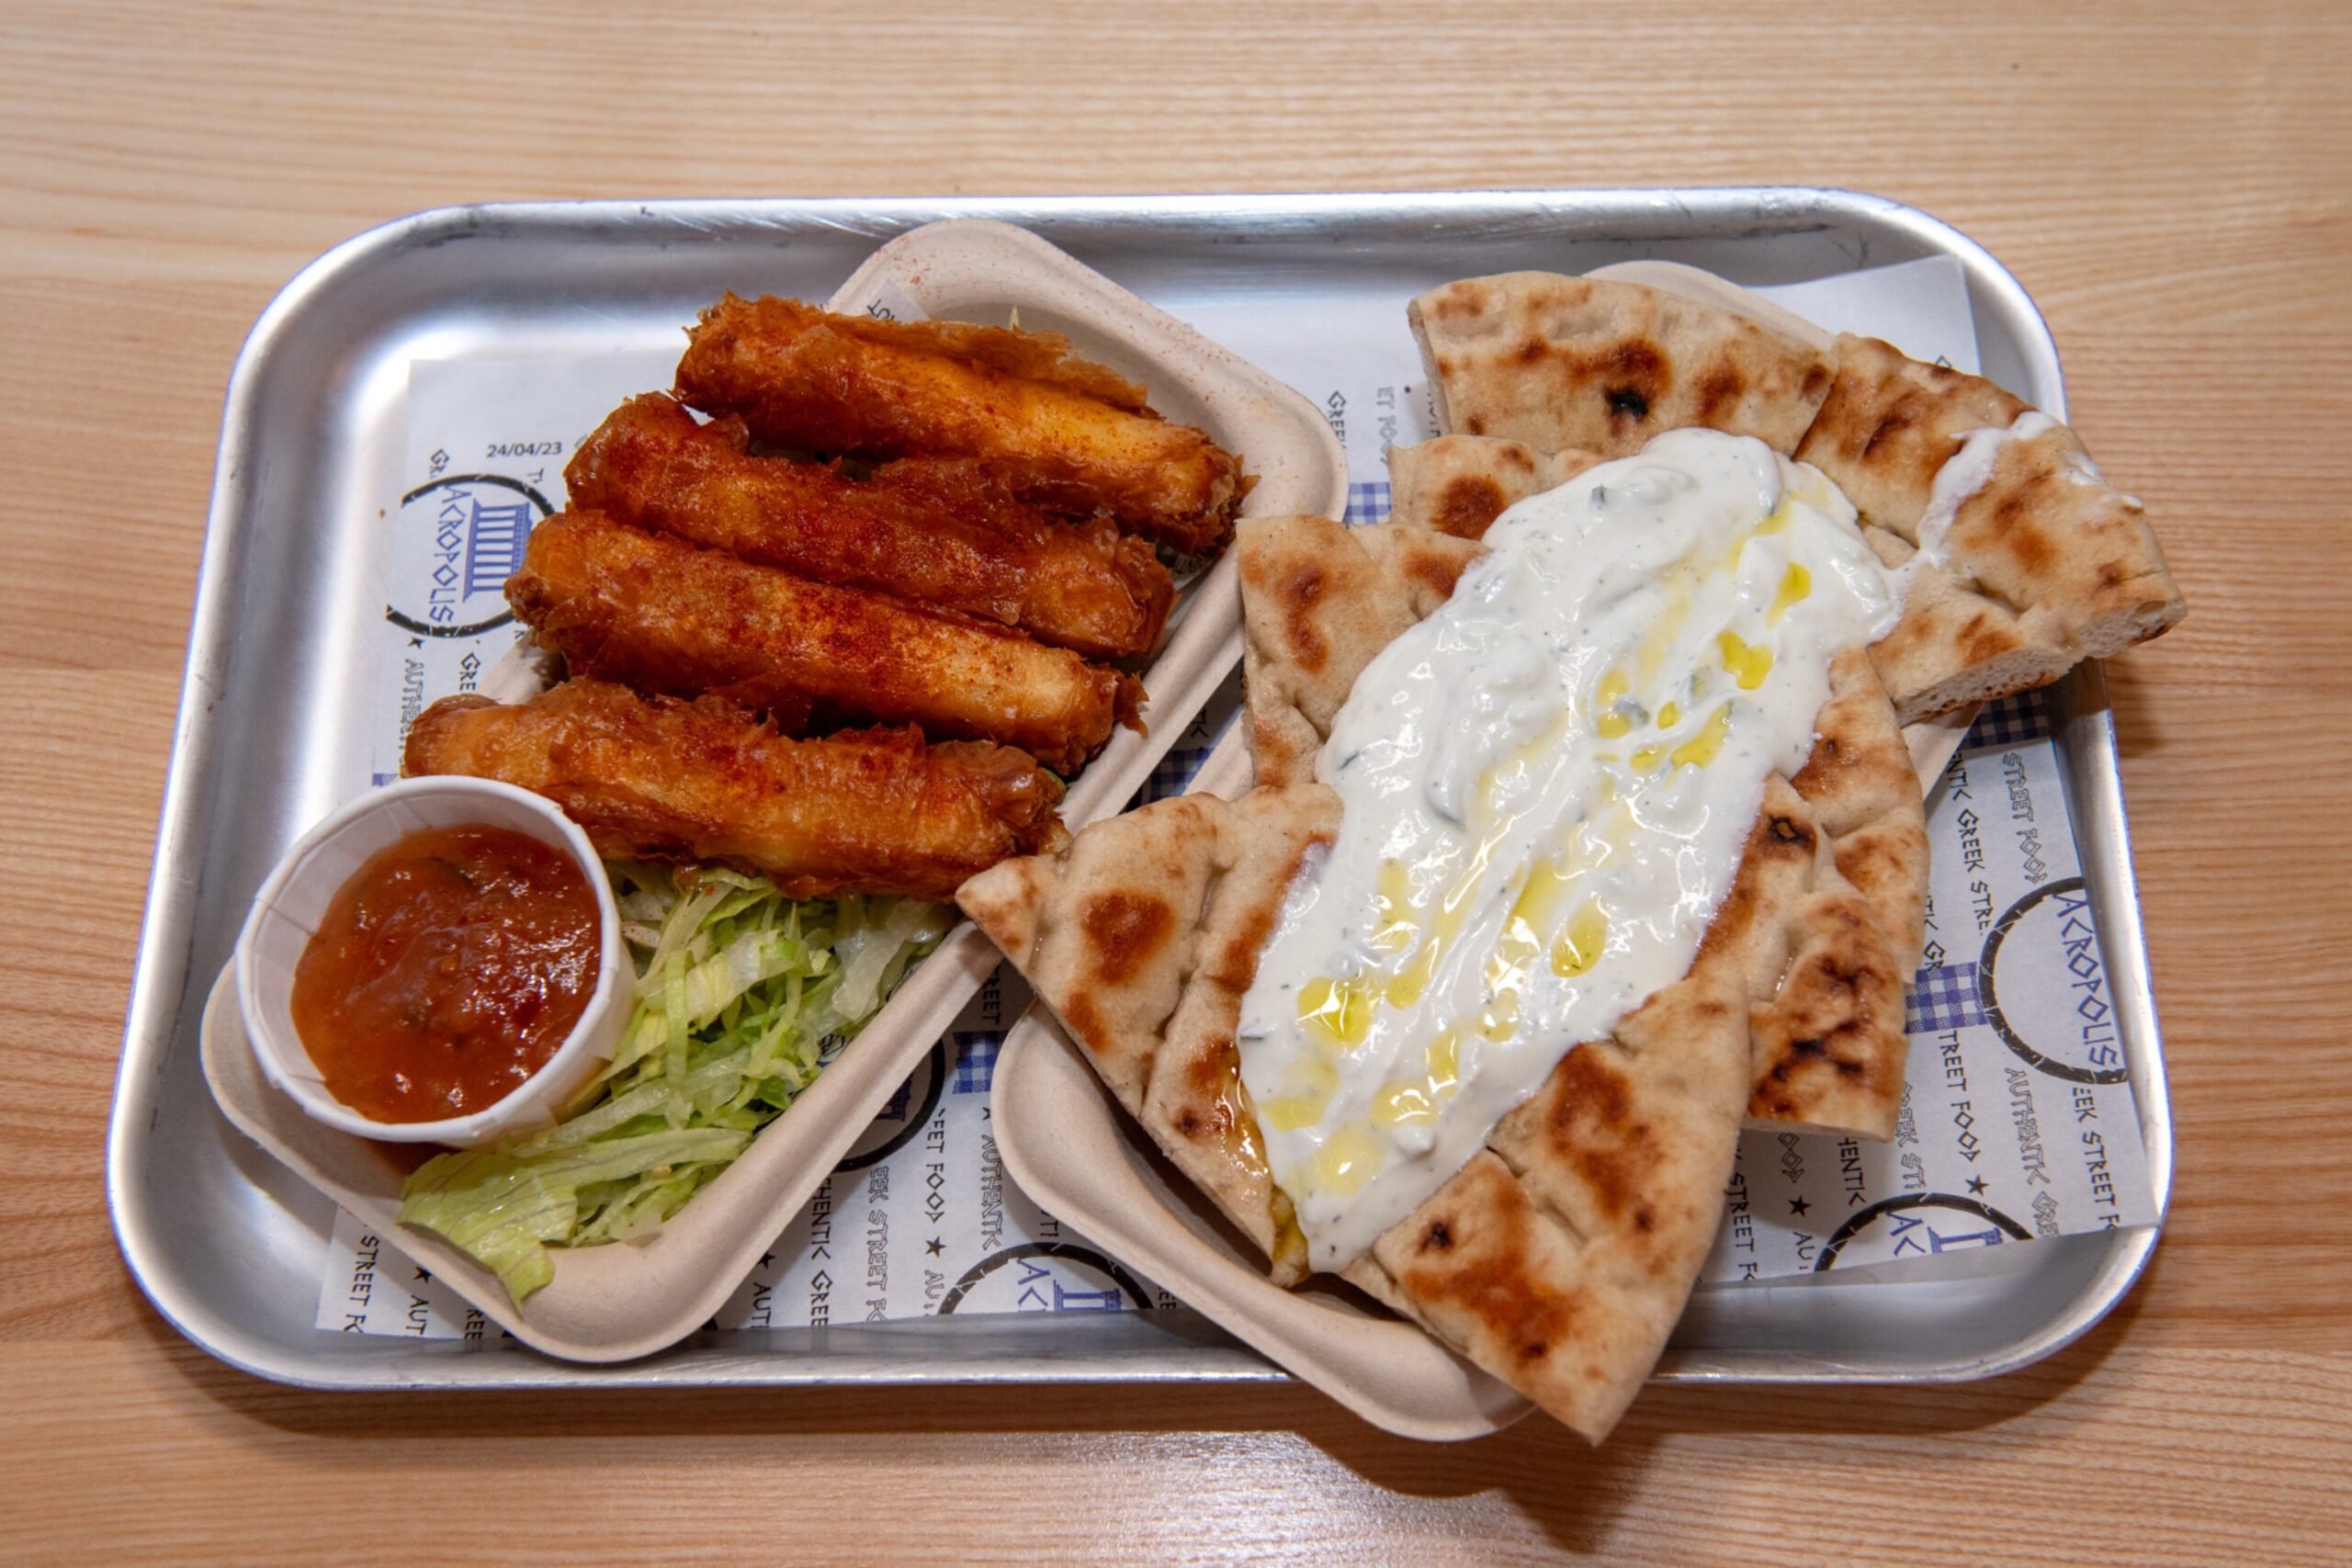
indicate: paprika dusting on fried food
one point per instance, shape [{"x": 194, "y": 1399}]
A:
[
  {"x": 446, "y": 971},
  {"x": 661, "y": 615},
  {"x": 869, "y": 812},
  {"x": 1068, "y": 434},
  {"x": 946, "y": 532}
]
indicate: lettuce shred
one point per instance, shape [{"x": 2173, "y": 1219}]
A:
[{"x": 742, "y": 996}]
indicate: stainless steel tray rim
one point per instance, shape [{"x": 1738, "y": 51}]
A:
[{"x": 163, "y": 975}]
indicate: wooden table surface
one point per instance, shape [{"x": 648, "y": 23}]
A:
[{"x": 2170, "y": 182}]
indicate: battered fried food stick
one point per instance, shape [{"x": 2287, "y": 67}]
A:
[
  {"x": 1070, "y": 436},
  {"x": 941, "y": 532},
  {"x": 651, "y": 778},
  {"x": 663, "y": 616}
]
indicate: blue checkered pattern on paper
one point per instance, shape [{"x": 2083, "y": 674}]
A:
[
  {"x": 975, "y": 1052},
  {"x": 1367, "y": 502},
  {"x": 1942, "y": 1000},
  {"x": 2009, "y": 721},
  {"x": 1173, "y": 772}
]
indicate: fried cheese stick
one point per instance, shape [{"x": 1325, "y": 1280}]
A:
[
  {"x": 941, "y": 532},
  {"x": 1070, "y": 436},
  {"x": 861, "y": 811},
  {"x": 661, "y": 615}
]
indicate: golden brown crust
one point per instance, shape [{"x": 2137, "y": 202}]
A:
[
  {"x": 1319, "y": 602},
  {"x": 1831, "y": 1041},
  {"x": 862, "y": 811},
  {"x": 941, "y": 532},
  {"x": 1030, "y": 355},
  {"x": 1823, "y": 919},
  {"x": 1565, "y": 364},
  {"x": 1062, "y": 922},
  {"x": 1559, "y": 1260},
  {"x": 2045, "y": 565},
  {"x": 1460, "y": 484},
  {"x": 661, "y": 615},
  {"x": 1068, "y": 436},
  {"x": 1142, "y": 937},
  {"x": 1864, "y": 795},
  {"x": 1824, "y": 987},
  {"x": 1195, "y": 1105}
]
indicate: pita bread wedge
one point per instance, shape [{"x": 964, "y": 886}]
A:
[
  {"x": 1954, "y": 647},
  {"x": 1825, "y": 921},
  {"x": 1142, "y": 937},
  {"x": 2033, "y": 567},
  {"x": 1825, "y": 938},
  {"x": 1564, "y": 363},
  {"x": 2041, "y": 565},
  {"x": 1318, "y": 600},
  {"x": 1558, "y": 1260},
  {"x": 1459, "y": 484}
]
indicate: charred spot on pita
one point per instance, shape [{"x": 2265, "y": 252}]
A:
[
  {"x": 1086, "y": 1021},
  {"x": 1215, "y": 1065},
  {"x": 1467, "y": 504},
  {"x": 1298, "y": 595},
  {"x": 2029, "y": 546},
  {"x": 1984, "y": 639},
  {"x": 1880, "y": 432},
  {"x": 1721, "y": 387},
  {"x": 1435, "y": 571},
  {"x": 1123, "y": 930}
]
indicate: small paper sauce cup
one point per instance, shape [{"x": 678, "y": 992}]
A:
[{"x": 291, "y": 904}]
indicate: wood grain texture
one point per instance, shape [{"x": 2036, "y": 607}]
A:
[{"x": 2168, "y": 181}]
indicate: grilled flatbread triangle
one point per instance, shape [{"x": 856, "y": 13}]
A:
[
  {"x": 2043, "y": 563},
  {"x": 1558, "y": 1260},
  {"x": 1560, "y": 1256},
  {"x": 2039, "y": 566},
  {"x": 1459, "y": 484},
  {"x": 1565, "y": 364},
  {"x": 1142, "y": 937}
]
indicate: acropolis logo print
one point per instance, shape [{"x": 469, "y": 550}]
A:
[
  {"x": 1046, "y": 1276},
  {"x": 2041, "y": 959},
  {"x": 1918, "y": 1224},
  {"x": 456, "y": 542}
]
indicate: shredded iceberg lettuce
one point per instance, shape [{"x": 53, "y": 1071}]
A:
[{"x": 742, "y": 996}]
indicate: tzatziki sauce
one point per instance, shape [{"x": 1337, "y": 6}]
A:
[
  {"x": 1545, "y": 788},
  {"x": 1970, "y": 469}
]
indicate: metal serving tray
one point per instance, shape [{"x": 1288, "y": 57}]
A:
[{"x": 226, "y": 1243}]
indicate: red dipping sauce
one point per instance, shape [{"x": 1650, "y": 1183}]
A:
[{"x": 446, "y": 971}]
